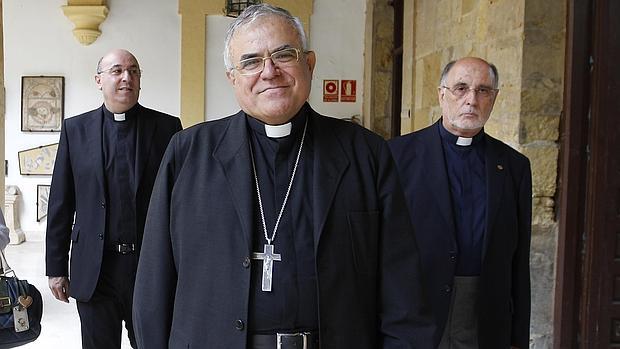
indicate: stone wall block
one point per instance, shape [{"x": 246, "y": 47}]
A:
[
  {"x": 544, "y": 159},
  {"x": 430, "y": 80},
  {"x": 382, "y": 101},
  {"x": 503, "y": 126},
  {"x": 383, "y": 27},
  {"x": 463, "y": 49},
  {"x": 425, "y": 19},
  {"x": 425, "y": 116},
  {"x": 468, "y": 6},
  {"x": 444, "y": 9},
  {"x": 505, "y": 16},
  {"x": 542, "y": 96},
  {"x": 542, "y": 274},
  {"x": 543, "y": 210},
  {"x": 382, "y": 93},
  {"x": 506, "y": 52},
  {"x": 507, "y": 102},
  {"x": 383, "y": 55},
  {"x": 545, "y": 14},
  {"x": 540, "y": 127},
  {"x": 461, "y": 29}
]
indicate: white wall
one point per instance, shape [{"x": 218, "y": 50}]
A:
[
  {"x": 336, "y": 36},
  {"x": 219, "y": 97},
  {"x": 38, "y": 41}
]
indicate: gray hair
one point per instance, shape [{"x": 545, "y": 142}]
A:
[
  {"x": 253, "y": 12},
  {"x": 492, "y": 72}
]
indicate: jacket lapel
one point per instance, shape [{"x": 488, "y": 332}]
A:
[
  {"x": 437, "y": 175},
  {"x": 94, "y": 129},
  {"x": 144, "y": 140},
  {"x": 495, "y": 168},
  {"x": 330, "y": 163},
  {"x": 232, "y": 154}
]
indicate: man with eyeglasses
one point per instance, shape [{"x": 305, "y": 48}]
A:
[
  {"x": 470, "y": 197},
  {"x": 277, "y": 227},
  {"x": 103, "y": 177}
]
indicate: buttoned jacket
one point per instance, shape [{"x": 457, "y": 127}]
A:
[
  {"x": 504, "y": 285},
  {"x": 78, "y": 190},
  {"x": 193, "y": 281}
]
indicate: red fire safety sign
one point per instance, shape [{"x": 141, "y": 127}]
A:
[
  {"x": 347, "y": 90},
  {"x": 330, "y": 90}
]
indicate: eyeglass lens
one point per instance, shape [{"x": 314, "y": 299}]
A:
[
  {"x": 133, "y": 71},
  {"x": 462, "y": 90},
  {"x": 256, "y": 65}
]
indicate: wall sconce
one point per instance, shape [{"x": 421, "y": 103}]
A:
[
  {"x": 235, "y": 7},
  {"x": 87, "y": 15}
]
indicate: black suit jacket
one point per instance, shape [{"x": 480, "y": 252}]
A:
[
  {"x": 193, "y": 281},
  {"x": 504, "y": 296},
  {"x": 78, "y": 188}
]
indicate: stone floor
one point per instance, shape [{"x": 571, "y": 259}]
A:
[{"x": 60, "y": 326}]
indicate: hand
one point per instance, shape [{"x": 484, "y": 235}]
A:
[{"x": 60, "y": 287}]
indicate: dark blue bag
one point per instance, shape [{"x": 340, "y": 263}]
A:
[{"x": 16, "y": 293}]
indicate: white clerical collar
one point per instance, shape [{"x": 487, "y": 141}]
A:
[
  {"x": 278, "y": 131},
  {"x": 464, "y": 141},
  {"x": 119, "y": 117}
]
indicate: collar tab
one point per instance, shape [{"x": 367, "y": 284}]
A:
[
  {"x": 278, "y": 131},
  {"x": 464, "y": 141}
]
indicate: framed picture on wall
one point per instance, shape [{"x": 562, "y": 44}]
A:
[
  {"x": 43, "y": 194},
  {"x": 42, "y": 103},
  {"x": 37, "y": 161}
]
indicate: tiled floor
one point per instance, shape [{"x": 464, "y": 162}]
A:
[{"x": 60, "y": 326}]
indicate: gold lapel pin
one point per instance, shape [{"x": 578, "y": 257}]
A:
[{"x": 500, "y": 167}]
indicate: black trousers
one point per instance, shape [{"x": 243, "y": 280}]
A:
[{"x": 102, "y": 316}]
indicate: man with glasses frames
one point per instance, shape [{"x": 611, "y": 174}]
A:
[
  {"x": 470, "y": 198},
  {"x": 103, "y": 176},
  {"x": 277, "y": 227}
]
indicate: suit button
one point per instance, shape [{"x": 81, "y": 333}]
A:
[
  {"x": 452, "y": 257},
  {"x": 102, "y": 204},
  {"x": 447, "y": 288},
  {"x": 246, "y": 262},
  {"x": 239, "y": 325},
  {"x": 100, "y": 236}
]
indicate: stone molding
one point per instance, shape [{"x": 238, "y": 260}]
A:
[
  {"x": 11, "y": 214},
  {"x": 87, "y": 15}
]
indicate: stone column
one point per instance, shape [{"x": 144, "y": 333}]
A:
[{"x": 11, "y": 215}]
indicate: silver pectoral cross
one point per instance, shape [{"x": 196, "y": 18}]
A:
[{"x": 268, "y": 257}]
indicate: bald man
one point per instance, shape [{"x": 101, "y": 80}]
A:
[
  {"x": 105, "y": 168},
  {"x": 470, "y": 197}
]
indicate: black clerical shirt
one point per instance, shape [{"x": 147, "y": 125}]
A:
[
  {"x": 467, "y": 176},
  {"x": 119, "y": 155},
  {"x": 292, "y": 303}
]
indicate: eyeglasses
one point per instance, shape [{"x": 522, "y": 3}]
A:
[
  {"x": 117, "y": 71},
  {"x": 282, "y": 58},
  {"x": 461, "y": 91}
]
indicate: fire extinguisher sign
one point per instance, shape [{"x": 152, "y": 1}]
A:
[
  {"x": 347, "y": 91},
  {"x": 330, "y": 90}
]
